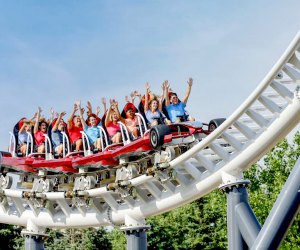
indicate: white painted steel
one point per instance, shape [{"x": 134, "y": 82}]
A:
[
  {"x": 239, "y": 142},
  {"x": 103, "y": 137},
  {"x": 123, "y": 132},
  {"x": 66, "y": 144},
  {"x": 12, "y": 144}
]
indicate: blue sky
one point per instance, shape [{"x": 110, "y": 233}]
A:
[{"x": 55, "y": 52}]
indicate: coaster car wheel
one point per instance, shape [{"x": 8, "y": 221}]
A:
[
  {"x": 157, "y": 134},
  {"x": 213, "y": 124}
]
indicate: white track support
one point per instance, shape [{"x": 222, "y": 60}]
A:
[{"x": 231, "y": 149}]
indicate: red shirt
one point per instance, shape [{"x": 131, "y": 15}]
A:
[
  {"x": 74, "y": 133},
  {"x": 39, "y": 137},
  {"x": 112, "y": 129}
]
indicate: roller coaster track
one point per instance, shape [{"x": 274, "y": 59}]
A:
[{"x": 267, "y": 116}]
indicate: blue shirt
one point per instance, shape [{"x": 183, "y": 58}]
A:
[
  {"x": 92, "y": 133},
  {"x": 57, "y": 138},
  {"x": 23, "y": 137},
  {"x": 175, "y": 110},
  {"x": 151, "y": 117}
]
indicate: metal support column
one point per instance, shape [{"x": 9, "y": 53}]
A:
[
  {"x": 136, "y": 237},
  {"x": 242, "y": 224},
  {"x": 34, "y": 237},
  {"x": 283, "y": 213},
  {"x": 136, "y": 233},
  {"x": 34, "y": 242}
]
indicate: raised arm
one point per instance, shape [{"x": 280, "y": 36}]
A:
[
  {"x": 107, "y": 118},
  {"x": 36, "y": 124},
  {"x": 136, "y": 93},
  {"x": 127, "y": 99},
  {"x": 167, "y": 90},
  {"x": 103, "y": 100},
  {"x": 146, "y": 96},
  {"x": 117, "y": 109},
  {"x": 55, "y": 127},
  {"x": 89, "y": 108},
  {"x": 51, "y": 115},
  {"x": 98, "y": 110},
  {"x": 188, "y": 91},
  {"x": 34, "y": 116},
  {"x": 22, "y": 129},
  {"x": 70, "y": 120},
  {"x": 81, "y": 111},
  {"x": 161, "y": 99}
]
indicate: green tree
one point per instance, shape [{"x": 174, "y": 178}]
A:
[
  {"x": 10, "y": 237},
  {"x": 198, "y": 225},
  {"x": 72, "y": 239},
  {"x": 96, "y": 239},
  {"x": 117, "y": 239},
  {"x": 56, "y": 240}
]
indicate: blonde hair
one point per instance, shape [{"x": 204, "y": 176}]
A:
[
  {"x": 151, "y": 100},
  {"x": 28, "y": 123},
  {"x": 111, "y": 115}
]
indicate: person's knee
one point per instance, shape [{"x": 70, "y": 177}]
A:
[
  {"x": 135, "y": 132},
  {"x": 79, "y": 144},
  {"x": 23, "y": 149},
  {"x": 154, "y": 123},
  {"x": 98, "y": 143},
  {"x": 59, "y": 149},
  {"x": 119, "y": 137},
  {"x": 41, "y": 149}
]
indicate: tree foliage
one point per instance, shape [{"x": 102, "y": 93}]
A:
[
  {"x": 10, "y": 237},
  {"x": 199, "y": 225},
  {"x": 118, "y": 239},
  {"x": 72, "y": 239}
]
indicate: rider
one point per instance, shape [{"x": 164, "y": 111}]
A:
[
  {"x": 91, "y": 130},
  {"x": 56, "y": 133},
  {"x": 39, "y": 131},
  {"x": 176, "y": 108},
  {"x": 131, "y": 120},
  {"x": 23, "y": 136},
  {"x": 74, "y": 127},
  {"x": 153, "y": 109},
  {"x": 111, "y": 123}
]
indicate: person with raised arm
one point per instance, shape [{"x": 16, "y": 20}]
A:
[
  {"x": 90, "y": 113},
  {"x": 175, "y": 108},
  {"x": 74, "y": 127},
  {"x": 103, "y": 101},
  {"x": 153, "y": 110},
  {"x": 131, "y": 120},
  {"x": 111, "y": 122},
  {"x": 56, "y": 133},
  {"x": 39, "y": 131},
  {"x": 135, "y": 94},
  {"x": 23, "y": 135},
  {"x": 91, "y": 130}
]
